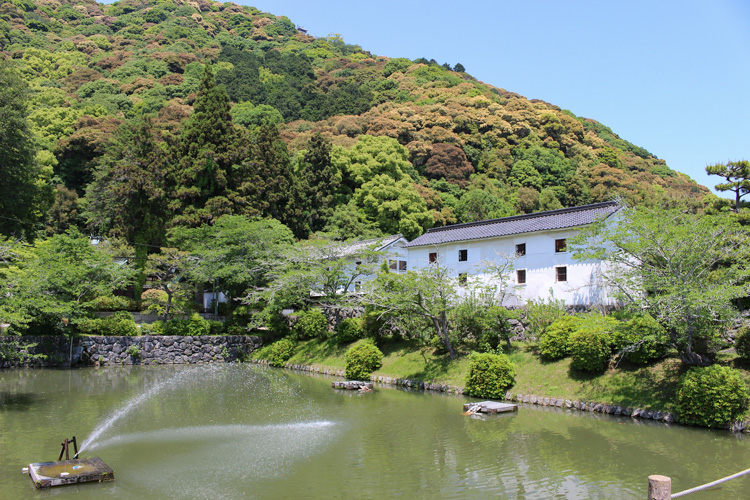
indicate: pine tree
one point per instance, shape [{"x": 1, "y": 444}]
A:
[{"x": 317, "y": 184}]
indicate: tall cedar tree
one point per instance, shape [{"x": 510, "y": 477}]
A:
[
  {"x": 319, "y": 180},
  {"x": 264, "y": 179},
  {"x": 204, "y": 157},
  {"x": 18, "y": 169},
  {"x": 128, "y": 197}
]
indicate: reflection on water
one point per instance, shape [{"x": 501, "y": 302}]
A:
[{"x": 243, "y": 431}]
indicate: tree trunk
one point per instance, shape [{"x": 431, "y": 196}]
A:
[{"x": 441, "y": 325}]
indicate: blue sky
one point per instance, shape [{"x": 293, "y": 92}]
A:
[{"x": 670, "y": 76}]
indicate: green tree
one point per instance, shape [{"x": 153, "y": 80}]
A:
[
  {"x": 737, "y": 175},
  {"x": 395, "y": 206},
  {"x": 683, "y": 269},
  {"x": 428, "y": 293},
  {"x": 203, "y": 157},
  {"x": 235, "y": 253},
  {"x": 20, "y": 174},
  {"x": 319, "y": 179},
  {"x": 169, "y": 269},
  {"x": 56, "y": 279},
  {"x": 129, "y": 195}
]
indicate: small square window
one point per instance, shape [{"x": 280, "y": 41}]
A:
[
  {"x": 463, "y": 255},
  {"x": 393, "y": 265},
  {"x": 560, "y": 245},
  {"x": 462, "y": 279},
  {"x": 433, "y": 257},
  {"x": 402, "y": 265},
  {"x": 521, "y": 276},
  {"x": 561, "y": 274},
  {"x": 520, "y": 249}
]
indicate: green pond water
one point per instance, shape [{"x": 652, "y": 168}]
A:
[{"x": 245, "y": 431}]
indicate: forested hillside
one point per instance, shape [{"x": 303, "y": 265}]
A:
[{"x": 137, "y": 117}]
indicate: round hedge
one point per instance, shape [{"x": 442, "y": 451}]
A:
[
  {"x": 490, "y": 375},
  {"x": 554, "y": 341},
  {"x": 644, "y": 331},
  {"x": 279, "y": 352},
  {"x": 742, "y": 343},
  {"x": 311, "y": 324},
  {"x": 589, "y": 350},
  {"x": 361, "y": 360},
  {"x": 712, "y": 397},
  {"x": 350, "y": 329}
]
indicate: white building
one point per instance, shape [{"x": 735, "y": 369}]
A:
[
  {"x": 535, "y": 243},
  {"x": 392, "y": 249}
]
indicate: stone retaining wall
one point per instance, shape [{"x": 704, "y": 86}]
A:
[{"x": 150, "y": 349}]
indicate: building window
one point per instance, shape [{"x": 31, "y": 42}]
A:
[
  {"x": 521, "y": 276},
  {"x": 561, "y": 274},
  {"x": 462, "y": 279},
  {"x": 560, "y": 245},
  {"x": 433, "y": 257},
  {"x": 402, "y": 265},
  {"x": 520, "y": 249},
  {"x": 463, "y": 255},
  {"x": 393, "y": 265}
]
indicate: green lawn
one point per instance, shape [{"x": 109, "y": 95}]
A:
[{"x": 653, "y": 386}]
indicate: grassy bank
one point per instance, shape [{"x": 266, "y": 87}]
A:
[{"x": 653, "y": 386}]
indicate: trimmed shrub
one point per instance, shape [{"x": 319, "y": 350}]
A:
[
  {"x": 311, "y": 324},
  {"x": 589, "y": 350},
  {"x": 119, "y": 324},
  {"x": 111, "y": 303},
  {"x": 742, "y": 343},
  {"x": 361, "y": 360},
  {"x": 193, "y": 327},
  {"x": 279, "y": 352},
  {"x": 554, "y": 342},
  {"x": 642, "y": 338},
  {"x": 712, "y": 397},
  {"x": 490, "y": 375},
  {"x": 350, "y": 329}
]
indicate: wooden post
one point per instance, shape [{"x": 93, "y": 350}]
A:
[{"x": 659, "y": 488}]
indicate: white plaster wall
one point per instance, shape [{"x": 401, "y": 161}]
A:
[
  {"x": 394, "y": 251},
  {"x": 582, "y": 285}
]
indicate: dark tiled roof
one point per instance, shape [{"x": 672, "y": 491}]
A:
[{"x": 540, "y": 221}]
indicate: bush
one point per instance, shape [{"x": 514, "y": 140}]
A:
[
  {"x": 591, "y": 345},
  {"x": 712, "y": 396},
  {"x": 119, "y": 324},
  {"x": 490, "y": 375},
  {"x": 279, "y": 352},
  {"x": 540, "y": 314},
  {"x": 641, "y": 338},
  {"x": 742, "y": 343},
  {"x": 361, "y": 360},
  {"x": 311, "y": 324},
  {"x": 554, "y": 342},
  {"x": 350, "y": 329},
  {"x": 193, "y": 327},
  {"x": 111, "y": 303}
]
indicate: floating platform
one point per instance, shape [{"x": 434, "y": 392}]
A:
[
  {"x": 490, "y": 407},
  {"x": 48, "y": 474},
  {"x": 352, "y": 385}
]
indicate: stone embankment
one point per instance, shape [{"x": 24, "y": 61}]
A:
[
  {"x": 563, "y": 404},
  {"x": 146, "y": 350}
]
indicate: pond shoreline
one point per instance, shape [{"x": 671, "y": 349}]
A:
[{"x": 531, "y": 399}]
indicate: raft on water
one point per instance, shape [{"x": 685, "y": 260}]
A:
[
  {"x": 489, "y": 407},
  {"x": 48, "y": 474},
  {"x": 352, "y": 385}
]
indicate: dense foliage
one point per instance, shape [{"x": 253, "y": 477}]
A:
[
  {"x": 350, "y": 330},
  {"x": 490, "y": 375},
  {"x": 553, "y": 344},
  {"x": 711, "y": 396},
  {"x": 137, "y": 117},
  {"x": 361, "y": 360},
  {"x": 742, "y": 343},
  {"x": 311, "y": 324},
  {"x": 279, "y": 352}
]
